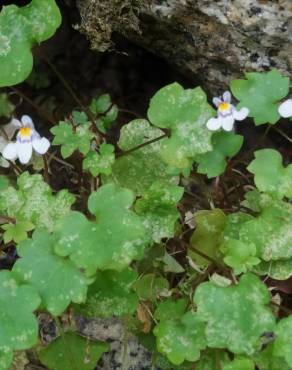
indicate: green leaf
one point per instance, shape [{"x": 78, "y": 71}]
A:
[
  {"x": 240, "y": 256},
  {"x": 6, "y": 107},
  {"x": 6, "y": 358},
  {"x": 283, "y": 342},
  {"x": 270, "y": 232},
  {"x": 158, "y": 209},
  {"x": 71, "y": 139},
  {"x": 56, "y": 279},
  {"x": 181, "y": 339},
  {"x": 4, "y": 183},
  {"x": 79, "y": 118},
  {"x": 116, "y": 227},
  {"x": 209, "y": 359},
  {"x": 270, "y": 175},
  {"x": 225, "y": 145},
  {"x": 16, "y": 232},
  {"x": 261, "y": 94},
  {"x": 208, "y": 235},
  {"x": 267, "y": 360},
  {"x": 105, "y": 110},
  {"x": 185, "y": 113},
  {"x": 279, "y": 270},
  {"x": 20, "y": 29},
  {"x": 19, "y": 327},
  {"x": 239, "y": 312},
  {"x": 34, "y": 202},
  {"x": 100, "y": 163},
  {"x": 240, "y": 363},
  {"x": 171, "y": 309},
  {"x": 138, "y": 170},
  {"x": 72, "y": 352},
  {"x": 111, "y": 295},
  {"x": 149, "y": 287}
]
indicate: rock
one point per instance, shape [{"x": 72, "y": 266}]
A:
[{"x": 208, "y": 41}]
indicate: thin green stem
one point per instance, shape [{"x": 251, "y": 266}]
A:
[{"x": 126, "y": 152}]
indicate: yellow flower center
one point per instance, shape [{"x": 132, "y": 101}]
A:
[
  {"x": 25, "y": 132},
  {"x": 224, "y": 106}
]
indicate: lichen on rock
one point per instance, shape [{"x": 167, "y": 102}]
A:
[
  {"x": 100, "y": 18},
  {"x": 210, "y": 41}
]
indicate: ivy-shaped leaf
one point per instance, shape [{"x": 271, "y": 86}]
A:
[
  {"x": 283, "y": 342},
  {"x": 185, "y": 113},
  {"x": 270, "y": 232},
  {"x": 112, "y": 241},
  {"x": 6, "y": 107},
  {"x": 19, "y": 327},
  {"x": 158, "y": 209},
  {"x": 225, "y": 145},
  {"x": 71, "y": 139},
  {"x": 149, "y": 287},
  {"x": 138, "y": 170},
  {"x": 170, "y": 309},
  {"x": 79, "y": 118},
  {"x": 236, "y": 312},
  {"x": 240, "y": 256},
  {"x": 72, "y": 352},
  {"x": 57, "y": 280},
  {"x": 111, "y": 294},
  {"x": 181, "y": 339},
  {"x": 20, "y": 29},
  {"x": 261, "y": 94},
  {"x": 105, "y": 111},
  {"x": 16, "y": 232},
  {"x": 100, "y": 163},
  {"x": 34, "y": 202},
  {"x": 279, "y": 270},
  {"x": 270, "y": 175},
  {"x": 240, "y": 363},
  {"x": 207, "y": 236}
]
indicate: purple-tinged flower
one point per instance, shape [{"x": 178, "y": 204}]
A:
[
  {"x": 27, "y": 139},
  {"x": 227, "y": 114}
]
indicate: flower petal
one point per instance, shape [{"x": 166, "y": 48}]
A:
[
  {"x": 240, "y": 115},
  {"x": 285, "y": 109},
  {"x": 214, "y": 124},
  {"x": 227, "y": 97},
  {"x": 227, "y": 123},
  {"x": 216, "y": 101},
  {"x": 10, "y": 152},
  {"x": 41, "y": 146},
  {"x": 27, "y": 121},
  {"x": 24, "y": 151},
  {"x": 15, "y": 122}
]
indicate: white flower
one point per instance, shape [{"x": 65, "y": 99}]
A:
[
  {"x": 285, "y": 109},
  {"x": 27, "y": 139},
  {"x": 226, "y": 114}
]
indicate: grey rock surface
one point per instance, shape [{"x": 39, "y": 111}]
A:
[{"x": 209, "y": 41}]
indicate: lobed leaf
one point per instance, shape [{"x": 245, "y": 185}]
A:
[
  {"x": 111, "y": 294},
  {"x": 20, "y": 29},
  {"x": 116, "y": 227},
  {"x": 270, "y": 175},
  {"x": 185, "y": 113},
  {"x": 261, "y": 94},
  {"x": 56, "y": 279},
  {"x": 34, "y": 202},
  {"x": 72, "y": 352},
  {"x": 100, "y": 163},
  {"x": 236, "y": 316},
  {"x": 158, "y": 210}
]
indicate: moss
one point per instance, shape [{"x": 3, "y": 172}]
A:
[{"x": 100, "y": 18}]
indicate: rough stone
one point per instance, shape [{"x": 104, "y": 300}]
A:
[{"x": 210, "y": 41}]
